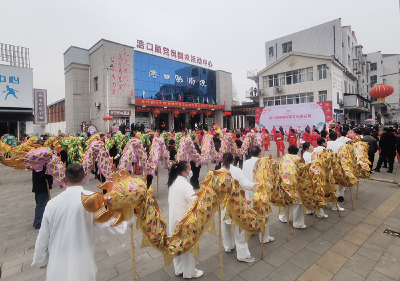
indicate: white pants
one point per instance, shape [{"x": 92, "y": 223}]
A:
[
  {"x": 266, "y": 235},
  {"x": 340, "y": 193},
  {"x": 229, "y": 240},
  {"x": 185, "y": 264},
  {"x": 295, "y": 212}
]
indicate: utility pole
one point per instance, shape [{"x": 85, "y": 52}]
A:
[{"x": 108, "y": 109}]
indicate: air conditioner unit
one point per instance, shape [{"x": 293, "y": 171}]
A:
[{"x": 278, "y": 89}]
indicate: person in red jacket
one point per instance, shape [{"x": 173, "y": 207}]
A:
[
  {"x": 307, "y": 136},
  {"x": 292, "y": 138},
  {"x": 314, "y": 137},
  {"x": 266, "y": 141},
  {"x": 280, "y": 146},
  {"x": 273, "y": 131}
]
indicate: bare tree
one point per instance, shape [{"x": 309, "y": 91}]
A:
[{"x": 234, "y": 93}]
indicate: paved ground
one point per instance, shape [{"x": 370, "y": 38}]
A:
[{"x": 335, "y": 249}]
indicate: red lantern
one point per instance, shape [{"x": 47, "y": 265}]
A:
[
  {"x": 106, "y": 118},
  {"x": 175, "y": 112},
  {"x": 381, "y": 91},
  {"x": 328, "y": 118},
  {"x": 156, "y": 112},
  {"x": 193, "y": 113},
  {"x": 328, "y": 112},
  {"x": 208, "y": 113}
]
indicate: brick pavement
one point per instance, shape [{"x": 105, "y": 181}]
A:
[{"x": 336, "y": 249}]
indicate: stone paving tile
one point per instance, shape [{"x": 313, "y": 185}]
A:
[
  {"x": 295, "y": 245},
  {"x": 344, "y": 248},
  {"x": 376, "y": 276},
  {"x": 355, "y": 237},
  {"x": 332, "y": 235},
  {"x": 304, "y": 259},
  {"x": 286, "y": 272},
  {"x": 316, "y": 273},
  {"x": 360, "y": 265},
  {"x": 231, "y": 269},
  {"x": 388, "y": 267},
  {"x": 278, "y": 257},
  {"x": 258, "y": 271},
  {"x": 371, "y": 251},
  {"x": 380, "y": 239},
  {"x": 331, "y": 261},
  {"x": 345, "y": 274},
  {"x": 309, "y": 234},
  {"x": 319, "y": 246}
]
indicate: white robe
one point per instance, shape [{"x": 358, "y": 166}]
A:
[
  {"x": 334, "y": 145},
  {"x": 180, "y": 199},
  {"x": 66, "y": 238},
  {"x": 229, "y": 240},
  {"x": 248, "y": 166},
  {"x": 343, "y": 140},
  {"x": 307, "y": 157}
]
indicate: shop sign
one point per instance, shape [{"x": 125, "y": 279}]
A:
[
  {"x": 177, "y": 104},
  {"x": 167, "y": 110},
  {"x": 16, "y": 84},
  {"x": 40, "y": 107},
  {"x": 120, "y": 113},
  {"x": 167, "y": 52}
]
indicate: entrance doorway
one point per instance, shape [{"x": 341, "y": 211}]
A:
[
  {"x": 179, "y": 122},
  {"x": 10, "y": 128},
  {"x": 194, "y": 119},
  {"x": 162, "y": 119}
]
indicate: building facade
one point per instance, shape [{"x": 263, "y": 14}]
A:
[
  {"x": 142, "y": 87},
  {"x": 349, "y": 73},
  {"x": 16, "y": 91}
]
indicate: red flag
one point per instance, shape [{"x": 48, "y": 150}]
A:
[
  {"x": 187, "y": 84},
  {"x": 162, "y": 93},
  {"x": 131, "y": 93},
  {"x": 203, "y": 99},
  {"x": 224, "y": 103},
  {"x": 180, "y": 97}
]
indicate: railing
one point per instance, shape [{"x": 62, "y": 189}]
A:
[{"x": 252, "y": 94}]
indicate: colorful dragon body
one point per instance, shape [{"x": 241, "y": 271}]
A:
[{"x": 128, "y": 196}]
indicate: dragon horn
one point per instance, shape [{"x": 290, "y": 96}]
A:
[{"x": 93, "y": 203}]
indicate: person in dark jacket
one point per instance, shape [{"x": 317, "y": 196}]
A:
[
  {"x": 387, "y": 144},
  {"x": 373, "y": 146},
  {"x": 172, "y": 150},
  {"x": 41, "y": 185},
  {"x": 217, "y": 144},
  {"x": 194, "y": 180},
  {"x": 239, "y": 144}
]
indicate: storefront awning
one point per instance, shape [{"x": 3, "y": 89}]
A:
[{"x": 162, "y": 103}]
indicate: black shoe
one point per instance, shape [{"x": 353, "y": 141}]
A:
[
  {"x": 37, "y": 227},
  {"x": 377, "y": 170},
  {"x": 340, "y": 199},
  {"x": 384, "y": 166},
  {"x": 390, "y": 171}
]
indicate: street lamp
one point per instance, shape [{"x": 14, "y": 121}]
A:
[{"x": 108, "y": 110}]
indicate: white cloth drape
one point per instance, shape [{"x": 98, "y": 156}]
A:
[
  {"x": 66, "y": 238},
  {"x": 180, "y": 199}
]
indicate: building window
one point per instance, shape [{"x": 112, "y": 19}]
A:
[
  {"x": 271, "y": 52},
  {"x": 348, "y": 41},
  {"x": 287, "y": 47},
  {"x": 345, "y": 86},
  {"x": 373, "y": 79},
  {"x": 309, "y": 74},
  {"x": 289, "y": 99},
  {"x": 321, "y": 71},
  {"x": 337, "y": 98},
  {"x": 348, "y": 58},
  {"x": 288, "y": 77},
  {"x": 352, "y": 89},
  {"x": 295, "y": 74},
  {"x": 96, "y": 83},
  {"x": 373, "y": 66},
  {"x": 281, "y": 79},
  {"x": 322, "y": 95},
  {"x": 265, "y": 81}
]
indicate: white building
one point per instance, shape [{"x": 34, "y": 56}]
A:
[{"x": 349, "y": 73}]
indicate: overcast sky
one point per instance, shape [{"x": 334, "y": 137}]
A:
[{"x": 229, "y": 33}]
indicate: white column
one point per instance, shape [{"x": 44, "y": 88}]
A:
[{"x": 373, "y": 111}]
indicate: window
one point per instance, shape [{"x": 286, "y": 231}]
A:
[
  {"x": 321, "y": 71},
  {"x": 270, "y": 81},
  {"x": 322, "y": 95},
  {"x": 195, "y": 72},
  {"x": 281, "y": 79},
  {"x": 309, "y": 74},
  {"x": 373, "y": 66},
  {"x": 288, "y": 78},
  {"x": 348, "y": 58},
  {"x": 337, "y": 98},
  {"x": 290, "y": 99},
  {"x": 271, "y": 52},
  {"x": 287, "y": 47},
  {"x": 265, "y": 81},
  {"x": 373, "y": 79},
  {"x": 348, "y": 41},
  {"x": 302, "y": 75},
  {"x": 345, "y": 86},
  {"x": 352, "y": 89},
  {"x": 96, "y": 83},
  {"x": 295, "y": 74}
]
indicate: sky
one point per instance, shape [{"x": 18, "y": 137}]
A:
[{"x": 231, "y": 34}]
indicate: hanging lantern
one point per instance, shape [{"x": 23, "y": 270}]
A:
[
  {"x": 156, "y": 112},
  {"x": 107, "y": 118},
  {"x": 175, "y": 112},
  {"x": 193, "y": 113},
  {"x": 207, "y": 113},
  {"x": 380, "y": 92}
]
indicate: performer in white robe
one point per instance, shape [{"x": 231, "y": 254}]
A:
[
  {"x": 343, "y": 139},
  {"x": 229, "y": 240},
  {"x": 180, "y": 198},
  {"x": 335, "y": 145},
  {"x": 67, "y": 235},
  {"x": 296, "y": 209},
  {"x": 248, "y": 166}
]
